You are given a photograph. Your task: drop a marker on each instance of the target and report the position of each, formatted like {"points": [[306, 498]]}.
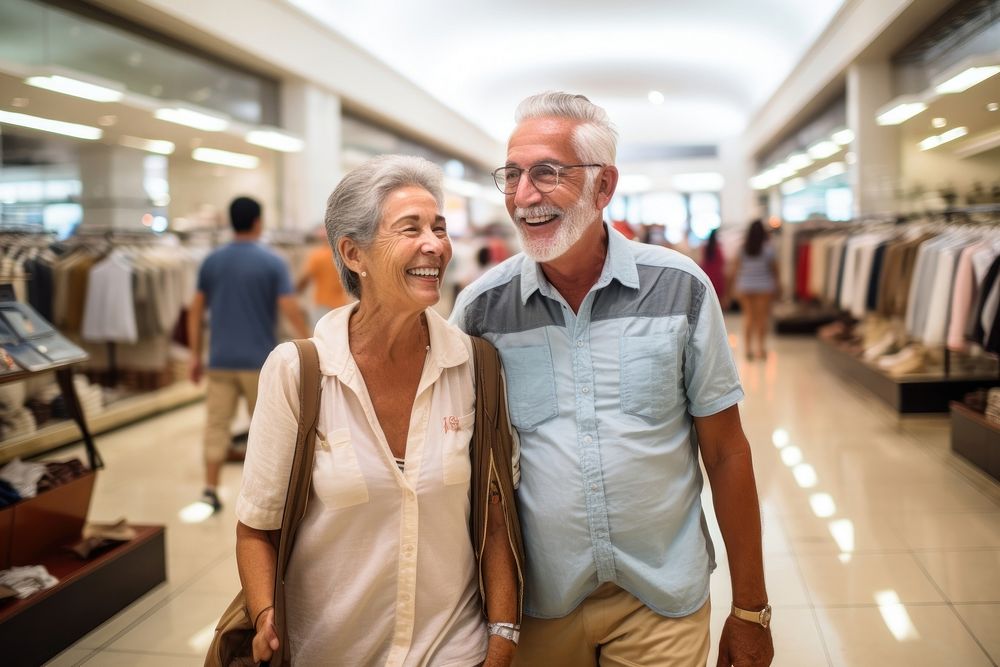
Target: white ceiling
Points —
{"points": [[716, 61]]}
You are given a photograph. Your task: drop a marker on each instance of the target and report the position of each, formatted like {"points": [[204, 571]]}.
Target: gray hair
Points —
{"points": [[594, 139], [354, 209]]}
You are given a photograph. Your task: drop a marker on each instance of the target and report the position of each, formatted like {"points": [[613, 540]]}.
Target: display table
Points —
{"points": [[976, 439], [911, 394], [35, 629]]}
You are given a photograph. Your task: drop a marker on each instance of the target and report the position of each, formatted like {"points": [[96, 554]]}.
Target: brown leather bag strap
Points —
{"points": [[299, 480]]}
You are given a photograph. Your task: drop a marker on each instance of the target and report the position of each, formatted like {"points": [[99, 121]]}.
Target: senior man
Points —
{"points": [[619, 374]]}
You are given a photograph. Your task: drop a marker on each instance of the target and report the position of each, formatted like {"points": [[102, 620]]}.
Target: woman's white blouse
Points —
{"points": [[371, 532]]}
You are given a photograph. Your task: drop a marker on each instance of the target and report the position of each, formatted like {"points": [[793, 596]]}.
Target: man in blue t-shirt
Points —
{"points": [[243, 285]]}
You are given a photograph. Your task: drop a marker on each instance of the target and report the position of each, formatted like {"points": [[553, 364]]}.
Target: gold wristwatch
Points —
{"points": [[762, 617]]}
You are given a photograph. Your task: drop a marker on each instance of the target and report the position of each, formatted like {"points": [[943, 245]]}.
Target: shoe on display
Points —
{"points": [[910, 363], [888, 361], [211, 498], [881, 347]]}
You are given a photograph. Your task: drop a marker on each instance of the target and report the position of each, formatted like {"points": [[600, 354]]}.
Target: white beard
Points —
{"points": [[574, 223]]}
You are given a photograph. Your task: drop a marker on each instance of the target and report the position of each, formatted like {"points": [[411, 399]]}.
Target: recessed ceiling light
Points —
{"points": [[160, 146], [900, 113], [107, 121], [275, 140], [19, 102], [70, 86], [939, 122], [937, 140], [843, 137], [799, 161], [49, 125], [966, 79], [823, 149], [656, 97], [993, 106], [192, 118], [226, 158]]}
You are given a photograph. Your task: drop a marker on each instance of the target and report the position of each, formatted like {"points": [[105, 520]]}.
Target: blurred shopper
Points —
{"points": [[615, 354], [243, 285], [755, 273], [383, 570], [713, 263], [328, 292]]}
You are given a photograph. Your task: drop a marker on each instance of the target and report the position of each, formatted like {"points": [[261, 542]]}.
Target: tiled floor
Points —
{"points": [[882, 548]]}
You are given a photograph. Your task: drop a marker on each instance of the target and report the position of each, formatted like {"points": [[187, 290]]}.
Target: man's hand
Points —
{"points": [[196, 370], [744, 644], [265, 642]]}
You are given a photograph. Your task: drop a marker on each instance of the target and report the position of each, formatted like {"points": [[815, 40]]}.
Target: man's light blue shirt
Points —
{"points": [[603, 401]]}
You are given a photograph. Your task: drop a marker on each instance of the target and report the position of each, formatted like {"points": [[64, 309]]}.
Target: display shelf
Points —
{"points": [[120, 413], [976, 439], [911, 394], [35, 629]]}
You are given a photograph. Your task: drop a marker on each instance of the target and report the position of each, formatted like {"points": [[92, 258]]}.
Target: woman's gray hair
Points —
{"points": [[594, 139], [355, 206]]}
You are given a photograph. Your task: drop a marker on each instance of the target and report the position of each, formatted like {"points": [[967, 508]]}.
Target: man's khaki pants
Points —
{"points": [[612, 627], [222, 396]]}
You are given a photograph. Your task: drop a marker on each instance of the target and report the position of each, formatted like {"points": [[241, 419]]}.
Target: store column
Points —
{"points": [[310, 175], [875, 175], [113, 196]]}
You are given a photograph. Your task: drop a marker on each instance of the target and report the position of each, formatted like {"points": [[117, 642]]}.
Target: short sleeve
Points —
{"points": [[457, 317], [710, 376], [203, 280], [283, 277], [271, 443]]}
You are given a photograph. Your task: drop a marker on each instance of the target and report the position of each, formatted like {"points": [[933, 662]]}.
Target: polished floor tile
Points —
{"points": [[965, 576], [896, 634], [871, 526], [984, 622], [858, 579]]}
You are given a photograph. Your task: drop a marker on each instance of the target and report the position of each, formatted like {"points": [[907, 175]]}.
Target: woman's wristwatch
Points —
{"points": [[511, 631]]}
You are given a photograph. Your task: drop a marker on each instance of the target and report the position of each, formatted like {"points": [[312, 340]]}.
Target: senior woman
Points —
{"points": [[383, 570]]}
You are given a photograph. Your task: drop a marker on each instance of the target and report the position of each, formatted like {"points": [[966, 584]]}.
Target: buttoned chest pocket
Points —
{"points": [[649, 375], [337, 478], [455, 461], [531, 385]]}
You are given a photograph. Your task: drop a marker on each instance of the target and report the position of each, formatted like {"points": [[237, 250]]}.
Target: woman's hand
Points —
{"points": [[500, 652], [265, 642]]}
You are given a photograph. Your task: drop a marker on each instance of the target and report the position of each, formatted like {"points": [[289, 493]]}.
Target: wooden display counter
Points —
{"points": [[976, 439], [37, 628], [911, 394]]}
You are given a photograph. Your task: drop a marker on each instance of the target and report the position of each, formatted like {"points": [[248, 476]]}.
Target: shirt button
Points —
{"points": [[586, 390], [405, 597], [587, 439], [410, 495], [593, 487], [579, 343]]}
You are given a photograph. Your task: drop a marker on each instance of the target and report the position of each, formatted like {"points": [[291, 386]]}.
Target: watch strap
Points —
{"points": [[761, 617]]}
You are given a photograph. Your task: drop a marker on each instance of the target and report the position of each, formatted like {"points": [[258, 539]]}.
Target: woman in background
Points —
{"points": [[755, 273], [713, 263]]}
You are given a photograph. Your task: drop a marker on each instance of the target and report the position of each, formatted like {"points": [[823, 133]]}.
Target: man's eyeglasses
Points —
{"points": [[545, 177]]}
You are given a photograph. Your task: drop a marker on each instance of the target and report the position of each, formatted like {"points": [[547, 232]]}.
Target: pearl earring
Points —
{"points": [[364, 274]]}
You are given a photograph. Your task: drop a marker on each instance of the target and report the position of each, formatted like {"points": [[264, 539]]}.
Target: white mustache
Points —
{"points": [[537, 211]]}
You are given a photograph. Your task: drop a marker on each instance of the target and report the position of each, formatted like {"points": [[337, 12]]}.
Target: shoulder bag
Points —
{"points": [[232, 644]]}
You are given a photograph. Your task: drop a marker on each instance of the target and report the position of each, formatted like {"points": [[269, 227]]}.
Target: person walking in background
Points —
{"points": [[242, 285], [384, 570], [713, 263], [619, 375], [757, 284], [320, 270]]}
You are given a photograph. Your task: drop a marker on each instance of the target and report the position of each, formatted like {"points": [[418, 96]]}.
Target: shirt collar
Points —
{"points": [[448, 347], [619, 264]]}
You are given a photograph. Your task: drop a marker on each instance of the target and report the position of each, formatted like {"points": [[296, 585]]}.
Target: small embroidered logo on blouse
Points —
{"points": [[451, 424]]}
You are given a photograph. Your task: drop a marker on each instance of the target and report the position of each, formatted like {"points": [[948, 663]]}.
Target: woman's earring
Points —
{"points": [[364, 274]]}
